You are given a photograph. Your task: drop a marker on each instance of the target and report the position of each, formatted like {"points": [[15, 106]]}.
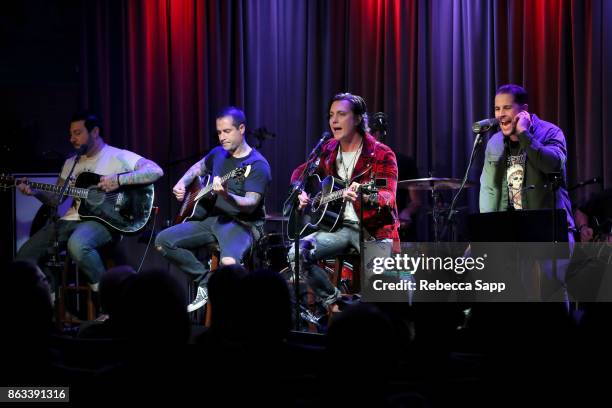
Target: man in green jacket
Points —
{"points": [[516, 175], [519, 158]]}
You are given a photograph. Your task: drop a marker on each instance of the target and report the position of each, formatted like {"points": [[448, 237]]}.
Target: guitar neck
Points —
{"points": [[333, 196], [338, 194], [224, 180], [54, 188]]}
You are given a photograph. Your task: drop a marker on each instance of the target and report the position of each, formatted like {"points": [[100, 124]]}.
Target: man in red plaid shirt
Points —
{"points": [[355, 157]]}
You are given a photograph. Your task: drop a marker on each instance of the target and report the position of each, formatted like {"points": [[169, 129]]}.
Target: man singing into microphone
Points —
{"points": [[355, 157], [117, 167], [515, 175], [519, 158]]}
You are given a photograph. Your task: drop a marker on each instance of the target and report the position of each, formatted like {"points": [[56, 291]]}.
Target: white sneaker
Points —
{"points": [[199, 301]]}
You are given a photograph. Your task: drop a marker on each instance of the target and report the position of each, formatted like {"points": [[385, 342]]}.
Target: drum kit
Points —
{"points": [[435, 185]]}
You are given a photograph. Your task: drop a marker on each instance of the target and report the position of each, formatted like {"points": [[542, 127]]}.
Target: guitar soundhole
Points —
{"points": [[95, 197]]}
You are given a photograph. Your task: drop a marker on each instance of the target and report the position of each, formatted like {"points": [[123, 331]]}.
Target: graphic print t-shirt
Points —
{"points": [[515, 175], [257, 181]]}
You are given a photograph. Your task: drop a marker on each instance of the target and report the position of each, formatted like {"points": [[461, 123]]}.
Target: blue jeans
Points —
{"points": [[322, 245], [80, 238], [178, 242]]}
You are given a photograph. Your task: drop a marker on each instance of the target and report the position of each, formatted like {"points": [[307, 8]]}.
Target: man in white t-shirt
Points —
{"points": [[83, 237]]}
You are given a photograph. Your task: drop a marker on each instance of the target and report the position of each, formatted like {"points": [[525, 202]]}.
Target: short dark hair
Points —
{"points": [[91, 120], [518, 92], [237, 115], [358, 107]]}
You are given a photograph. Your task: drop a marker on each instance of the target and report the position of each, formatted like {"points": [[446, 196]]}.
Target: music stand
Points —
{"points": [[518, 226], [522, 226]]}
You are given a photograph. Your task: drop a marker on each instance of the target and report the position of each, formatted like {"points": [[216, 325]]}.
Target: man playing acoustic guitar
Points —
{"points": [[230, 214], [84, 235], [356, 158]]}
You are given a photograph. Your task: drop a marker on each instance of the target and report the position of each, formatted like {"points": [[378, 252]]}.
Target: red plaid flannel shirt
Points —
{"points": [[377, 161]]}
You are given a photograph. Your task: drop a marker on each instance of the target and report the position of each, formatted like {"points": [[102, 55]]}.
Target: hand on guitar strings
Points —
{"points": [[351, 193], [304, 200], [108, 183], [179, 190]]}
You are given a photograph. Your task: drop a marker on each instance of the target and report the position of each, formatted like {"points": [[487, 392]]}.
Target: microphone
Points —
{"points": [[324, 138], [484, 125], [594, 180], [529, 187], [378, 122], [82, 150]]}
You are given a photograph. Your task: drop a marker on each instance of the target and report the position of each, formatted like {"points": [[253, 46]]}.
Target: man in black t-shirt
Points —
{"points": [[234, 212]]}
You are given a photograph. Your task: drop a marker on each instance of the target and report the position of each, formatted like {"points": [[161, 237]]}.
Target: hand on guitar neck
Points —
{"points": [[126, 210], [23, 186], [218, 187], [350, 194]]}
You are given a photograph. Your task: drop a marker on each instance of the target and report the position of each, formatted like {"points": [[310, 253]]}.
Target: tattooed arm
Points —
{"points": [[145, 172], [246, 204], [194, 171]]}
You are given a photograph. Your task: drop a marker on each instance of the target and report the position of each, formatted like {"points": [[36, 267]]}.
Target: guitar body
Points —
{"points": [[200, 189], [315, 216], [190, 202], [328, 216], [127, 209]]}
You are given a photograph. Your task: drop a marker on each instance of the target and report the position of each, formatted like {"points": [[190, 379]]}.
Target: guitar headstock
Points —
{"points": [[6, 181], [242, 172], [369, 187]]}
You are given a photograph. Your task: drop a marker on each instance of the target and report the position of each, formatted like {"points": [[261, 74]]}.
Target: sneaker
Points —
{"points": [[332, 298], [199, 301], [310, 317]]}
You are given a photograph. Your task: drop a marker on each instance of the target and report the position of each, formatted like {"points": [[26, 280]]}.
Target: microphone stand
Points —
{"points": [[554, 186], [555, 179], [290, 207], [451, 211], [54, 260]]}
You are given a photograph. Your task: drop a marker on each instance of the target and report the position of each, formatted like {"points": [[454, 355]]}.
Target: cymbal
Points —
{"points": [[445, 208], [433, 183], [276, 217]]}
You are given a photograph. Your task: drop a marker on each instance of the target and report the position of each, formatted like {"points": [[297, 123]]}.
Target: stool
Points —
{"points": [[214, 252], [215, 261], [353, 257], [78, 285]]}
